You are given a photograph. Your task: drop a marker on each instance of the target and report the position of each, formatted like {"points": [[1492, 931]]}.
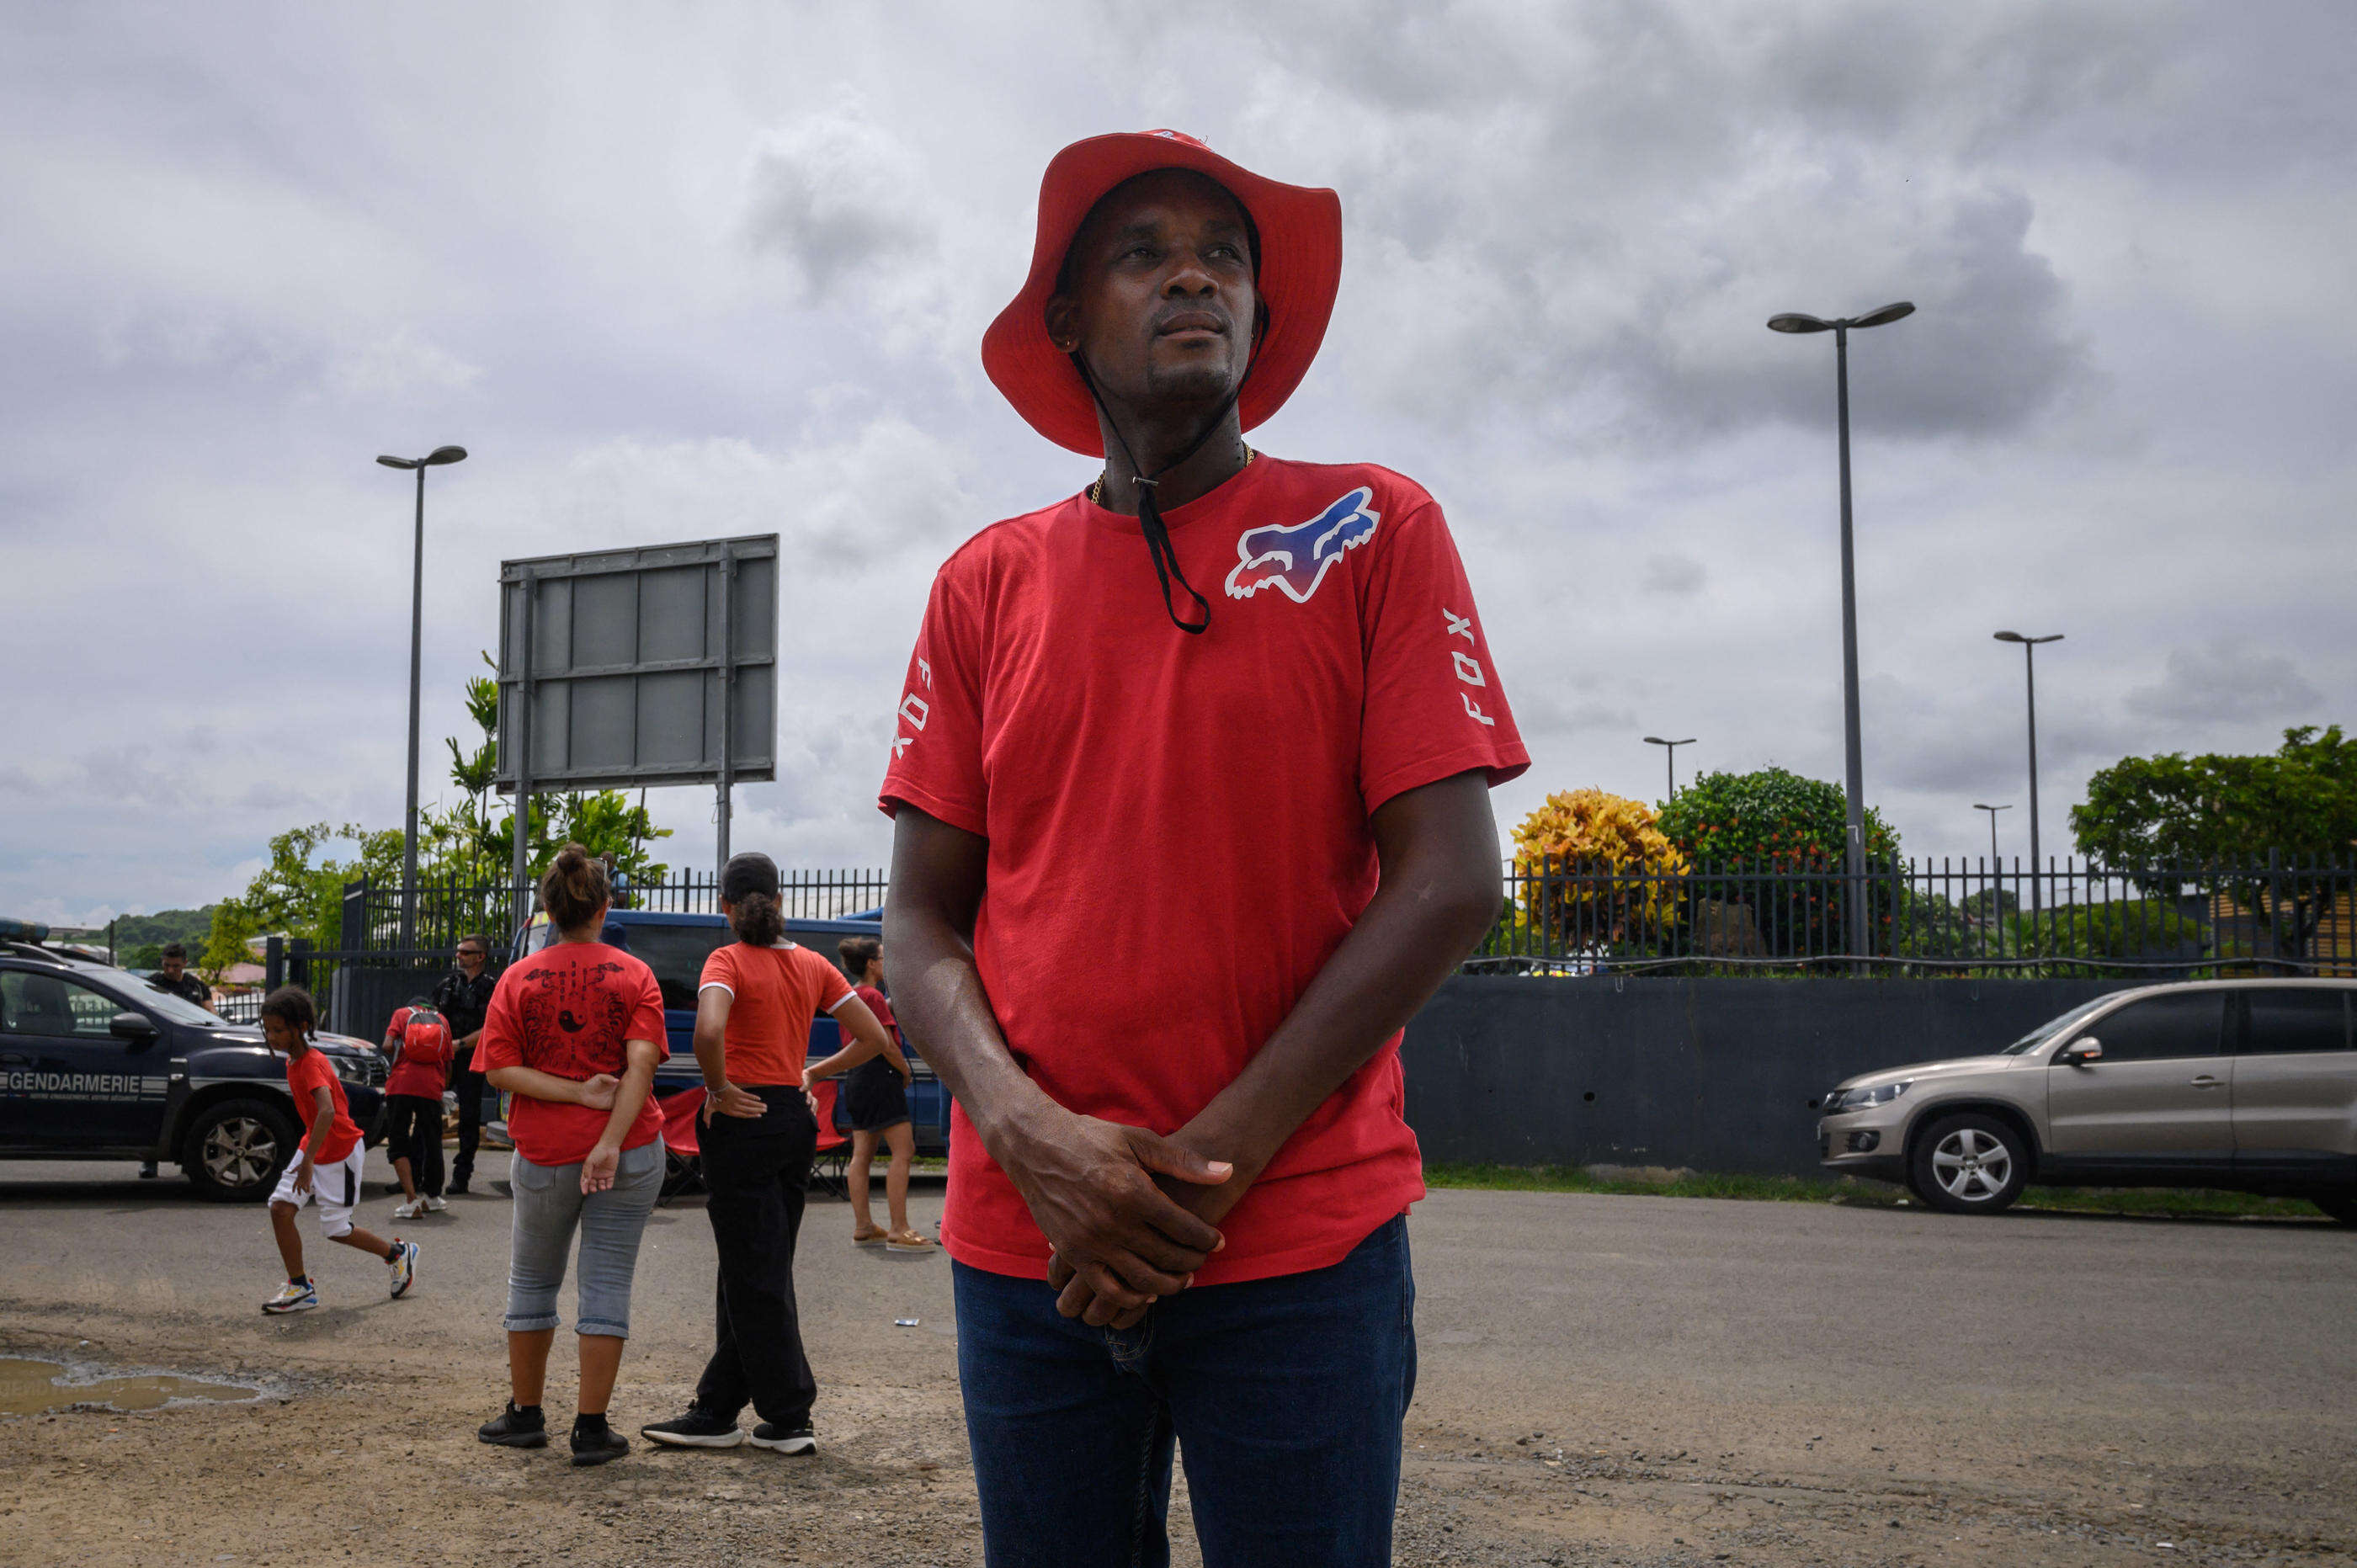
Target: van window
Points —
{"points": [[676, 954], [2290, 1019], [2160, 1028]]}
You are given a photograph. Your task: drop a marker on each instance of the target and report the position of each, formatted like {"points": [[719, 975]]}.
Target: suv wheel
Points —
{"points": [[236, 1149], [2341, 1206], [1969, 1164]]}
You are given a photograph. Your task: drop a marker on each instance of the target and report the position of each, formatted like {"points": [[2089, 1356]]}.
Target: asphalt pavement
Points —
{"points": [[1603, 1379]]}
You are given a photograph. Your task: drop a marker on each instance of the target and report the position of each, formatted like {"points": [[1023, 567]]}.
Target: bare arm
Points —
{"points": [[596, 1092], [323, 1119], [1088, 1183], [721, 1097], [638, 1081], [868, 1040], [1439, 897]]}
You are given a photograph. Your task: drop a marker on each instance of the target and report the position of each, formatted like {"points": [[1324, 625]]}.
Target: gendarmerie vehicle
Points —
{"points": [[96, 1064]]}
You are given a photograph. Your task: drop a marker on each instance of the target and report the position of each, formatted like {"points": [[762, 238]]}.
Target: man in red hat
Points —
{"points": [[1219, 731]]}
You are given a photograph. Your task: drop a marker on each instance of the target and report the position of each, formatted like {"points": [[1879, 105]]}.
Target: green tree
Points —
{"points": [[2147, 816], [234, 926], [1776, 841]]}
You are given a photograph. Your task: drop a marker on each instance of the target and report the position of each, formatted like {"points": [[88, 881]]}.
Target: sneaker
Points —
{"points": [[404, 1267], [595, 1447], [769, 1435], [699, 1428], [515, 1428], [457, 1187], [908, 1241], [410, 1209], [292, 1297], [433, 1205]]}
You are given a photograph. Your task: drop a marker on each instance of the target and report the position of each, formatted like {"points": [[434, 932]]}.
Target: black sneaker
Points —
{"points": [[598, 1444], [785, 1440], [457, 1188], [515, 1428], [699, 1428]]}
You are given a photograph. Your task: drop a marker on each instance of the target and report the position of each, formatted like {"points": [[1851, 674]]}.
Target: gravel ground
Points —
{"points": [[1634, 1381]]}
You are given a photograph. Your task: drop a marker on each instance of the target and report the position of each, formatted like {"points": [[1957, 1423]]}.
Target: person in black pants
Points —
{"points": [[753, 1012], [462, 998]]}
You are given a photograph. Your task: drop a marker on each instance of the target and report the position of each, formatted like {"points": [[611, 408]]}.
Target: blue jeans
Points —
{"points": [[1286, 1396], [549, 1206]]}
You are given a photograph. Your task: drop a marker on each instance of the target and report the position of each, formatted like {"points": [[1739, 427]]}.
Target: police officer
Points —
{"points": [[463, 997], [174, 978]]}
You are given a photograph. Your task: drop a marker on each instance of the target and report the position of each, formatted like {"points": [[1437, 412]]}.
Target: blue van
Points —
{"points": [[675, 946]]}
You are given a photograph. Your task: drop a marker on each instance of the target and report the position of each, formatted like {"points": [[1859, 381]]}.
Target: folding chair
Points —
{"points": [[833, 1147]]}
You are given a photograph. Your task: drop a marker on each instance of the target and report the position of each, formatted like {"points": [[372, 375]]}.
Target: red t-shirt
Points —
{"points": [[881, 1008], [421, 1071], [777, 992], [568, 1010], [309, 1071], [1189, 816]]}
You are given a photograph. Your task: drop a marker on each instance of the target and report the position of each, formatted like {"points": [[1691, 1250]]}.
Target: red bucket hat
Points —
{"points": [[1300, 268]]}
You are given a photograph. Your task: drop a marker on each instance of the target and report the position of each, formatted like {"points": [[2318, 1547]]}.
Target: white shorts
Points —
{"points": [[335, 1189]]}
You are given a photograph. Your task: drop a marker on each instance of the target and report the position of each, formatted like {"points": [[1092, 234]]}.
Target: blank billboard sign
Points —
{"points": [[653, 665]]}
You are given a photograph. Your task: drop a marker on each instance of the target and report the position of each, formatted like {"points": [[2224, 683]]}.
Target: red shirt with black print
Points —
{"points": [[568, 1010], [1191, 816]]}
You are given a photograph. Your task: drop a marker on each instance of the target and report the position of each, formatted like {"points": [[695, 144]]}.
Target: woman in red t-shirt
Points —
{"points": [[753, 1014], [574, 1034]]}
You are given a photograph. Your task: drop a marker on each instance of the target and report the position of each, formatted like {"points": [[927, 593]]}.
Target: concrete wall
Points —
{"points": [[1715, 1075]]}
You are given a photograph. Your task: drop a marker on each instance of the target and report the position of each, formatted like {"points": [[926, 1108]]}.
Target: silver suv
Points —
{"points": [[2248, 1084]]}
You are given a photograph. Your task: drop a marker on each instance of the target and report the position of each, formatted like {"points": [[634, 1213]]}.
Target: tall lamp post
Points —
{"points": [[433, 459], [1992, 811], [1793, 321], [1673, 746], [2030, 668]]}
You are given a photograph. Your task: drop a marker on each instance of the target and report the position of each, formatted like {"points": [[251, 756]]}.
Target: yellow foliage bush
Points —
{"points": [[1588, 832]]}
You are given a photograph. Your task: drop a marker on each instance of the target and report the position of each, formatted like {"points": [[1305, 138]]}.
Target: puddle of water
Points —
{"points": [[35, 1388]]}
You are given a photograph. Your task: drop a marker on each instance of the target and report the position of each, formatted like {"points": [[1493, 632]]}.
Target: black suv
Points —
{"points": [[97, 1064]]}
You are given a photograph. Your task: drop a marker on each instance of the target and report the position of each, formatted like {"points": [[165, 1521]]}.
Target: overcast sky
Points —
{"points": [[717, 269]]}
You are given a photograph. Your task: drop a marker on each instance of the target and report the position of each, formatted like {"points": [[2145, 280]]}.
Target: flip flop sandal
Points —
{"points": [[907, 1241], [870, 1239]]}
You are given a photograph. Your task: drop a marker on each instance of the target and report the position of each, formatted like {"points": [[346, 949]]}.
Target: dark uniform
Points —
{"points": [[189, 988], [464, 1001]]}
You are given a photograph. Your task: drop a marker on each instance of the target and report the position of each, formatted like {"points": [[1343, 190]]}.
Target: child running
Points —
{"points": [[418, 1041], [876, 1093], [326, 1166]]}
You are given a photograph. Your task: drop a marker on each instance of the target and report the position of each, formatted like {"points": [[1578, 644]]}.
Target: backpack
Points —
{"points": [[426, 1038]]}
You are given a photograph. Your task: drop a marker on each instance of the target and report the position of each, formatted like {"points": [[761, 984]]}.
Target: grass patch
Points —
{"points": [[2193, 1201]]}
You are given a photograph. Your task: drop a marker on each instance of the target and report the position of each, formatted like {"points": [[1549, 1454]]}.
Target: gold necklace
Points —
{"points": [[1096, 488]]}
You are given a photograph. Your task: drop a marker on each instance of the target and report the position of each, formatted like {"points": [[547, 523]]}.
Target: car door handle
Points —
{"points": [[14, 1058], [2207, 1082]]}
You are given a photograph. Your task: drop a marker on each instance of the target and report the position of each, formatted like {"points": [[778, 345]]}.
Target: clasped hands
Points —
{"points": [[1130, 1214]]}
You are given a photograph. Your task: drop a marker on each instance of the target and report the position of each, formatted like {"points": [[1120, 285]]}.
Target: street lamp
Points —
{"points": [[1673, 744], [2029, 666], [1992, 811], [1793, 321], [433, 459]]}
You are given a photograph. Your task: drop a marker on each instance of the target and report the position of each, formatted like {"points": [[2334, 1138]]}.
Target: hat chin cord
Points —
{"points": [[1150, 511]]}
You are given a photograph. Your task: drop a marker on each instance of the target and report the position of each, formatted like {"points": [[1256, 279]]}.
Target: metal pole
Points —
{"points": [[727, 698], [520, 722], [1673, 771], [1856, 763], [416, 634], [2036, 894]]}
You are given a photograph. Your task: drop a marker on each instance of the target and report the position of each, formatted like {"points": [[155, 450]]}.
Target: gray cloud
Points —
{"points": [[2226, 679]]}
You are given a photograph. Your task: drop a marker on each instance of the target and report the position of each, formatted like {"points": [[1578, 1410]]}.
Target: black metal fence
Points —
{"points": [[452, 907], [1929, 916]]}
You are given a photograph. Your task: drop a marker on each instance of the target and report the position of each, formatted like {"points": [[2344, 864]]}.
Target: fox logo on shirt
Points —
{"points": [[1294, 558]]}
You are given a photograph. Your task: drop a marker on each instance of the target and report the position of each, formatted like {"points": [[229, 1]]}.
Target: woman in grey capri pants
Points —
{"points": [[574, 1034]]}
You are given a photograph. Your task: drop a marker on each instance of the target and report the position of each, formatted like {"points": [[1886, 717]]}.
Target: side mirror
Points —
{"points": [[2079, 1052], [131, 1027]]}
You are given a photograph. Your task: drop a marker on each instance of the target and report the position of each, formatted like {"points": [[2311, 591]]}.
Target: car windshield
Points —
{"points": [[2047, 1031], [179, 1009]]}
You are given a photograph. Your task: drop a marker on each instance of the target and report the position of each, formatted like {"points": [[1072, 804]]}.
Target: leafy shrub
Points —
{"points": [[1597, 836]]}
